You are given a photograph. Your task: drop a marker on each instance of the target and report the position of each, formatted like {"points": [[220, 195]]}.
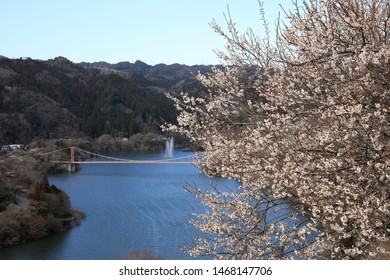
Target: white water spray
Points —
{"points": [[169, 148]]}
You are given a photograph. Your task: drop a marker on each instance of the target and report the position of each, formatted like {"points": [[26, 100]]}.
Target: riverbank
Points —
{"points": [[30, 208]]}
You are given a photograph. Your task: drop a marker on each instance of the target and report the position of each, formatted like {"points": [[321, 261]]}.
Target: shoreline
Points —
{"points": [[26, 198]]}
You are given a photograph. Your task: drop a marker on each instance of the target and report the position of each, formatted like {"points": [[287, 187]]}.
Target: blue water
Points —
{"points": [[129, 207]]}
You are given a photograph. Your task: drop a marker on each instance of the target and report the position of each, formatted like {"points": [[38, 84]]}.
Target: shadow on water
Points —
{"points": [[49, 248]]}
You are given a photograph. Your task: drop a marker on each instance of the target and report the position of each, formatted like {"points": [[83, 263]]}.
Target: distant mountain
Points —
{"points": [[61, 99], [176, 77]]}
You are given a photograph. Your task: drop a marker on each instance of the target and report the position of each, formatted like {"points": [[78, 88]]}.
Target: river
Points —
{"points": [[129, 207]]}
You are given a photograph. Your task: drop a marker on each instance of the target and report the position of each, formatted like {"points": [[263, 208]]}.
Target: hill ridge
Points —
{"points": [[59, 98]]}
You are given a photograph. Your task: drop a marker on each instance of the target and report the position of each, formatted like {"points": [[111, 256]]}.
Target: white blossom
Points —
{"points": [[303, 125]]}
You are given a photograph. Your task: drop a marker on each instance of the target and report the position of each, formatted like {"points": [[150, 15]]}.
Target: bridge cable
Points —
{"points": [[130, 160]]}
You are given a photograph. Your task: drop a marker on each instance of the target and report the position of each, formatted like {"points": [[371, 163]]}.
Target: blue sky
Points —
{"points": [[154, 31]]}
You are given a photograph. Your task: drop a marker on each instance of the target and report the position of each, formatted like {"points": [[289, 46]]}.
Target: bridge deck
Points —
{"points": [[114, 160], [132, 162]]}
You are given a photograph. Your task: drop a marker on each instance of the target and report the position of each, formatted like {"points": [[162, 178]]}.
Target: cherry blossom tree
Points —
{"points": [[302, 122]]}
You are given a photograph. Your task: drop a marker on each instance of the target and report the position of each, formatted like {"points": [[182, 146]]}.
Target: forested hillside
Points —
{"points": [[60, 99]]}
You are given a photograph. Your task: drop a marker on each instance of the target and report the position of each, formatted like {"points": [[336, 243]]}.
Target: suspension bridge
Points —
{"points": [[103, 159]]}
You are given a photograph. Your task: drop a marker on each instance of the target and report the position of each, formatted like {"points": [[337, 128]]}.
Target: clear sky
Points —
{"points": [[154, 31]]}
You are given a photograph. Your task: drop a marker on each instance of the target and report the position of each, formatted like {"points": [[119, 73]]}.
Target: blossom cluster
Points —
{"points": [[303, 125]]}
